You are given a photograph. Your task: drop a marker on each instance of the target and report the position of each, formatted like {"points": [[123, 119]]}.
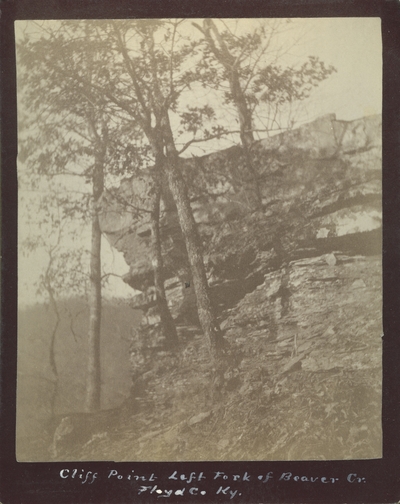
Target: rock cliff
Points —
{"points": [[321, 197], [296, 282]]}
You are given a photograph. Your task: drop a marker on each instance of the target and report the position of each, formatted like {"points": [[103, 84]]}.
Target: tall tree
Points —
{"points": [[145, 202], [246, 61], [156, 81], [65, 137], [167, 322], [217, 46], [93, 382]]}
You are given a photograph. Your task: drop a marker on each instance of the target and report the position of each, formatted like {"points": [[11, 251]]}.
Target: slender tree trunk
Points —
{"points": [[161, 137], [52, 352], [254, 176], [227, 60], [93, 381], [188, 225], [244, 113], [246, 128], [167, 322], [222, 54]]}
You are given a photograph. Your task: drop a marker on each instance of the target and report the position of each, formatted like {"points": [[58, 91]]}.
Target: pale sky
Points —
{"points": [[352, 45]]}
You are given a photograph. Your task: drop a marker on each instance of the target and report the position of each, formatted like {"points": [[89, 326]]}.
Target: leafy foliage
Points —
{"points": [[243, 65]]}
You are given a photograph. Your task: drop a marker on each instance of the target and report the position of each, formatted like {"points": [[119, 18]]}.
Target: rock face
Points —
{"points": [[321, 201], [296, 283]]}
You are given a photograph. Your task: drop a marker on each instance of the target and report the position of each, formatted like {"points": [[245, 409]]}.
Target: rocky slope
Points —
{"points": [[296, 281]]}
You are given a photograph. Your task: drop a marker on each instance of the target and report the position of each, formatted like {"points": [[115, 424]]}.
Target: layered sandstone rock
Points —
{"points": [[321, 194]]}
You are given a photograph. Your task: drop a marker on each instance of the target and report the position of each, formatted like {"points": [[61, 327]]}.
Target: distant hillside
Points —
{"points": [[36, 381]]}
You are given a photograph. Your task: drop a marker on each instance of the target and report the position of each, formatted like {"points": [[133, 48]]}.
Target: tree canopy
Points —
{"points": [[103, 99]]}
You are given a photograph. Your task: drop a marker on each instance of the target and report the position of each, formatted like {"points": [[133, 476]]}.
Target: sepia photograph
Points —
{"points": [[199, 239]]}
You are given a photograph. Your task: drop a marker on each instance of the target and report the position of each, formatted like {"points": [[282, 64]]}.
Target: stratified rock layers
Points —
{"points": [[321, 203]]}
